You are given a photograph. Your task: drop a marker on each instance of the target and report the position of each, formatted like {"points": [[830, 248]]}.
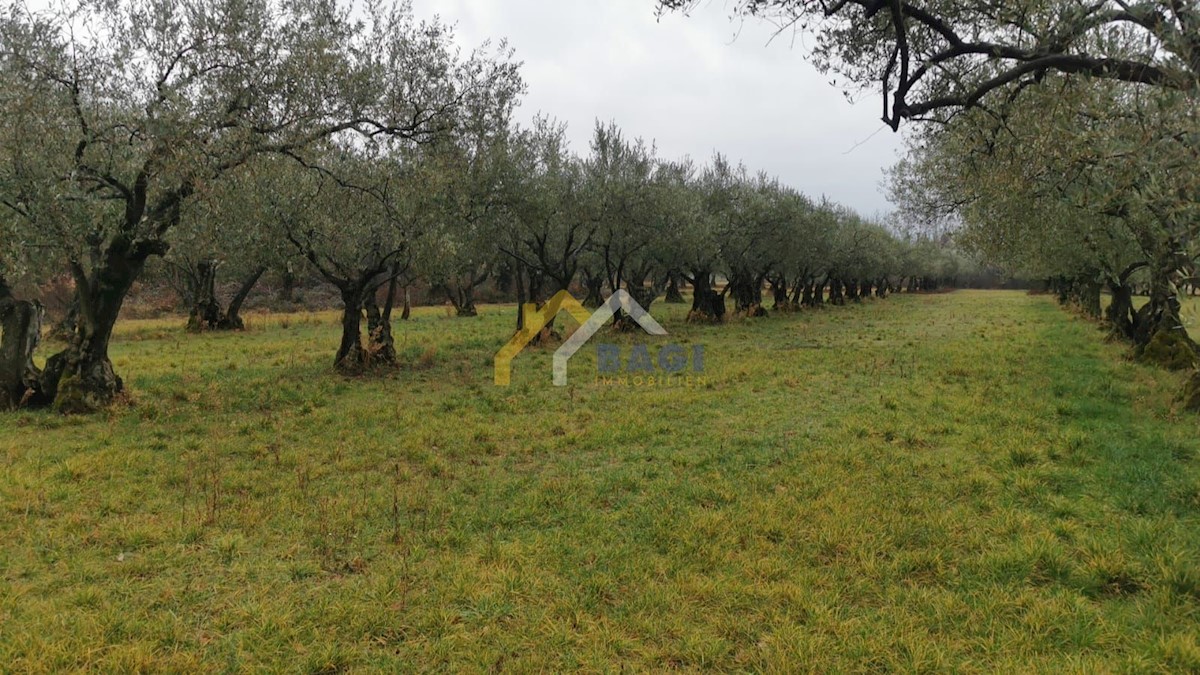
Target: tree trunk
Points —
{"points": [[797, 293], [642, 294], [522, 298], [406, 311], [779, 289], [231, 319], [460, 291], [465, 307], [835, 292], [1089, 297], [81, 379], [20, 331], [674, 297], [1161, 336], [390, 300], [594, 283], [529, 288], [807, 294], [287, 287], [206, 311], [707, 305], [381, 348], [747, 293], [351, 357], [1120, 314]]}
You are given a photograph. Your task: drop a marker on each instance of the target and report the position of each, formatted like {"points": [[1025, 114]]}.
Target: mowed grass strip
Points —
{"points": [[971, 481]]}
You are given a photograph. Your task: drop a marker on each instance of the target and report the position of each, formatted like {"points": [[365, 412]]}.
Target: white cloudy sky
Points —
{"points": [[694, 85]]}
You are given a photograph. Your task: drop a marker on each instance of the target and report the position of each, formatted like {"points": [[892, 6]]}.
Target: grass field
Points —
{"points": [[972, 481]]}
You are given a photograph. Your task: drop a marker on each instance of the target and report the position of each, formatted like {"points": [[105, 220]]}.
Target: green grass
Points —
{"points": [[971, 481]]}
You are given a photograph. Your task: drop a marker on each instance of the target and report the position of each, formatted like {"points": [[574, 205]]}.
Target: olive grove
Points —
{"points": [[247, 138]]}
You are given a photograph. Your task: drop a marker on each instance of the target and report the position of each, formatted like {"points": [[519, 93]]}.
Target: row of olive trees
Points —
{"points": [[1064, 141], [623, 218], [120, 118], [1085, 183], [515, 205]]}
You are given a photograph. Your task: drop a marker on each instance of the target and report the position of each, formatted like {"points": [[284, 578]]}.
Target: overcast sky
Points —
{"points": [[694, 85]]}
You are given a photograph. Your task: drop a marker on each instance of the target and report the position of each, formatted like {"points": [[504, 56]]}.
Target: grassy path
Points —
{"points": [[971, 481]]}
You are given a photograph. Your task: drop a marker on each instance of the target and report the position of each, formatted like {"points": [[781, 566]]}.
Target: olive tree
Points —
{"points": [[548, 229], [358, 221], [225, 231], [628, 195], [461, 255]]}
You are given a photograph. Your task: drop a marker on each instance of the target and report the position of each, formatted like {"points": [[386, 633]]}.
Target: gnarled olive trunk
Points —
{"points": [[796, 296], [464, 304], [530, 283], [1120, 313], [529, 288], [206, 311], [81, 379], [381, 347], [460, 291], [746, 290], [835, 292], [594, 283], [287, 286], [351, 357], [1089, 297], [806, 294], [20, 330], [707, 304], [231, 319], [673, 297], [467, 307], [779, 291], [1160, 334], [643, 294]]}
